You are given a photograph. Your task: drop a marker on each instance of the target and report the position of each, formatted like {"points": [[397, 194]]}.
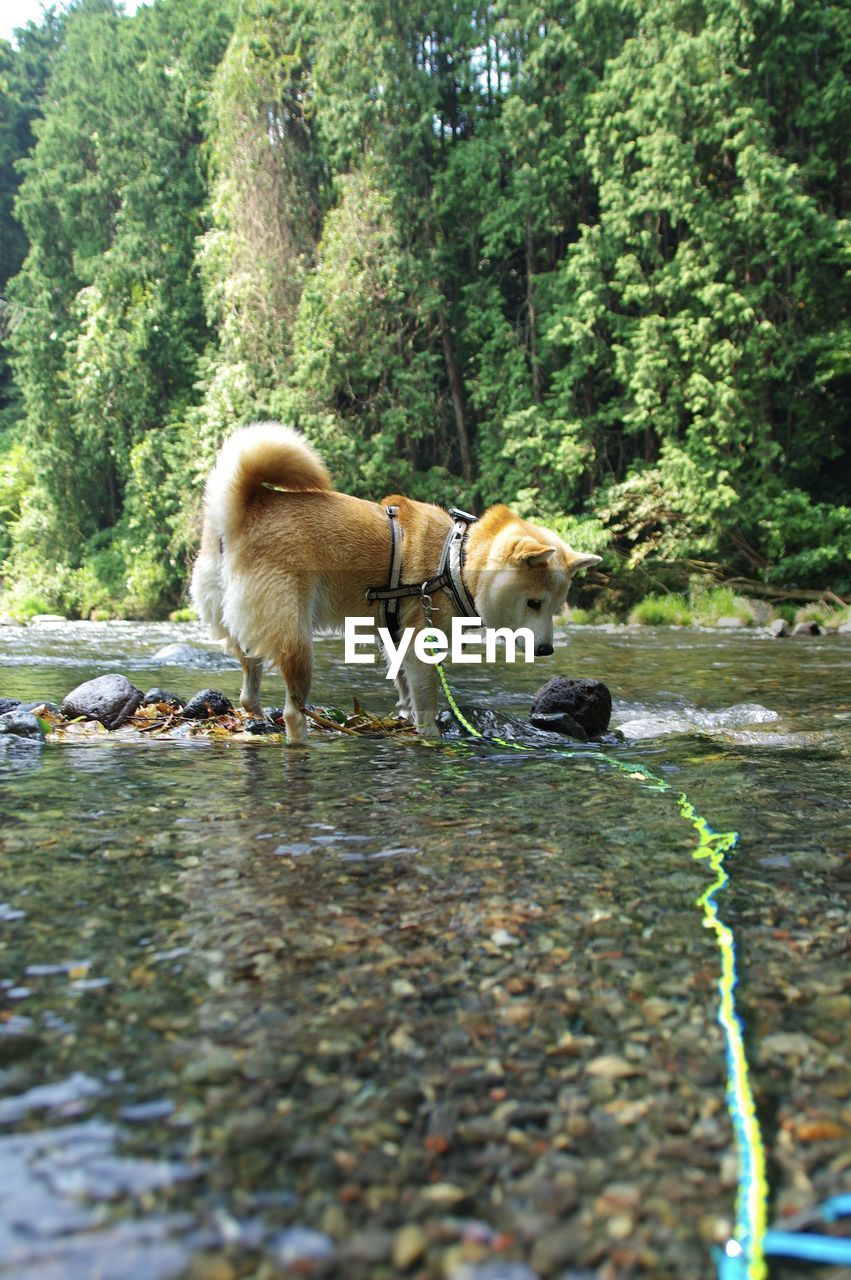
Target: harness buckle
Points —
{"points": [[427, 604]]}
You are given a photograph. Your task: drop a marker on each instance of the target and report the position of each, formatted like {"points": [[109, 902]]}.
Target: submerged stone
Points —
{"points": [[111, 699], [21, 724], [186, 655]]}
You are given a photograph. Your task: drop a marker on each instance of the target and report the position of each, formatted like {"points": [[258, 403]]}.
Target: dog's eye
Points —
{"points": [[535, 604]]}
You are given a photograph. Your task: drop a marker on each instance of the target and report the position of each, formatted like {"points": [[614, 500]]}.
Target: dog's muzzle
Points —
{"points": [[543, 650]]}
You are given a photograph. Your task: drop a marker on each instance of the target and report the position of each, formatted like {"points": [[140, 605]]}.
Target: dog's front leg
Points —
{"points": [[252, 674], [404, 708], [421, 681]]}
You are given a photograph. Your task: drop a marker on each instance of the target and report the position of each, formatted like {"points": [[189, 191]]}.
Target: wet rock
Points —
{"points": [[8, 704], [155, 697], [111, 699], [207, 703], [588, 702], [779, 628], [261, 727], [21, 724], [559, 722], [807, 629], [47, 619], [186, 655]]}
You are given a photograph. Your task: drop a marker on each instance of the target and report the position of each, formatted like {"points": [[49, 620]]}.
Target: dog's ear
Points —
{"points": [[531, 551], [577, 560]]}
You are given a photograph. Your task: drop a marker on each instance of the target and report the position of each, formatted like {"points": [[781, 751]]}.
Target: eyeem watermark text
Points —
{"points": [[431, 644]]}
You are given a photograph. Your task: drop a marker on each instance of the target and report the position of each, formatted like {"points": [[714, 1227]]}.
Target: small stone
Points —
{"points": [[162, 697], [789, 1044], [561, 1247], [210, 1068], [296, 1246], [261, 727], [207, 704], [371, 1246], [779, 628], [610, 1067], [210, 1266], [443, 1195], [409, 1245]]}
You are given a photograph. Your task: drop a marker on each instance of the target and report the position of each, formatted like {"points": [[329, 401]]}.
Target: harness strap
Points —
{"points": [[449, 576], [388, 613]]}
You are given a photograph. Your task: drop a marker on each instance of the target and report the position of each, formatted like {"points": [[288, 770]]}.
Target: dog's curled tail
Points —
{"points": [[265, 453]]}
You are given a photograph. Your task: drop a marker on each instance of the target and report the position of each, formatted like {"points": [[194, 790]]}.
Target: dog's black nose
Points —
{"points": [[543, 650]]}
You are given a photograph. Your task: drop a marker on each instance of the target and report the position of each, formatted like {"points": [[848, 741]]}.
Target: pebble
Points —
{"points": [[409, 1245], [295, 1246], [561, 1247]]}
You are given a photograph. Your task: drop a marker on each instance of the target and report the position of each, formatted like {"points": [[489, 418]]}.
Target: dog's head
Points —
{"points": [[521, 574]]}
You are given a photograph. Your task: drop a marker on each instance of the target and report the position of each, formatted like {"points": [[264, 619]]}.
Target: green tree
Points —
{"points": [[106, 352]]}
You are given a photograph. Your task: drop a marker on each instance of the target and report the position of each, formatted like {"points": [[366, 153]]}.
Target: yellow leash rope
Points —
{"points": [[743, 1257]]}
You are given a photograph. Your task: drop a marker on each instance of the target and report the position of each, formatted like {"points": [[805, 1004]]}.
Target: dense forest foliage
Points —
{"points": [[591, 259]]}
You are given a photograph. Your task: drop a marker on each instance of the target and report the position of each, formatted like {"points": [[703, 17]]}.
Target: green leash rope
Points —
{"points": [[743, 1257]]}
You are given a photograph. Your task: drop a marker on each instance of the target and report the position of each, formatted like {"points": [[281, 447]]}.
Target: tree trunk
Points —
{"points": [[456, 389]]}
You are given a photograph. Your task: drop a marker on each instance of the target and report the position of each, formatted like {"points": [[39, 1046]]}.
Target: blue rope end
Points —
{"points": [[731, 1262]]}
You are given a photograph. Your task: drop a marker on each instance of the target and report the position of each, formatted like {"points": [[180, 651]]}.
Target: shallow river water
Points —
{"points": [[380, 1008]]}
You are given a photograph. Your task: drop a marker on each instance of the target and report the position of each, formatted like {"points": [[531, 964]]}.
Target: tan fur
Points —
{"points": [[275, 564]]}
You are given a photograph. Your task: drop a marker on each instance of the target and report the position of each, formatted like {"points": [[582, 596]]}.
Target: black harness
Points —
{"points": [[449, 576]]}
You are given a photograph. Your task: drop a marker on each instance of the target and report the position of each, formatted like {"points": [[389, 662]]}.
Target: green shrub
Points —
{"points": [[670, 610], [721, 602]]}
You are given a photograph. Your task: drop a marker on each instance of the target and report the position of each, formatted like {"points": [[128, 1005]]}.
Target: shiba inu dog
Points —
{"points": [[283, 554]]}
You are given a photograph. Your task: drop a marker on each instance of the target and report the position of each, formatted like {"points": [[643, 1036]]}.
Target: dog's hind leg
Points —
{"points": [[296, 663], [295, 659]]}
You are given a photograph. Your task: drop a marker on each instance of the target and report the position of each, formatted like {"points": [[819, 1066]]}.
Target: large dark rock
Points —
{"points": [[588, 703], [207, 703], [110, 699], [8, 704]]}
